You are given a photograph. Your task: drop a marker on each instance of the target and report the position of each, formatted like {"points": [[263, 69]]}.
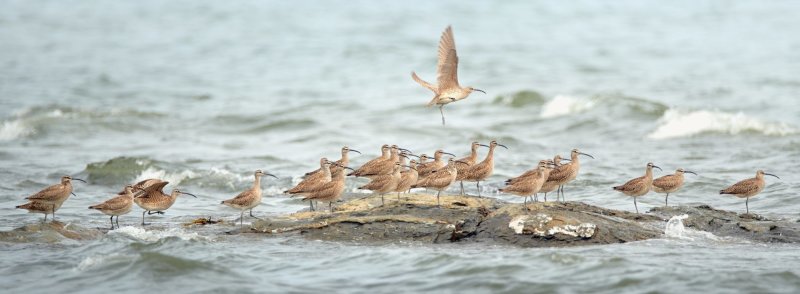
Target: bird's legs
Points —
{"points": [[462, 188], [478, 184], [251, 214], [634, 205], [241, 220], [747, 206], [442, 112], [112, 222], [118, 222], [666, 200], [438, 204], [143, 217]]}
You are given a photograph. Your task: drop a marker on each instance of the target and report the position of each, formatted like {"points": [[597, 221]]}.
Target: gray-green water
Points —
{"points": [[203, 93]]}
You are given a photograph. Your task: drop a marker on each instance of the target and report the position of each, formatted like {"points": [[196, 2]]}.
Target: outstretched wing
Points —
{"points": [[447, 67], [423, 83]]}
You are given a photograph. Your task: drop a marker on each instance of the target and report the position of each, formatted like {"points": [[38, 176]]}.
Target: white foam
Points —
{"points": [[154, 173], [153, 236], [676, 230], [565, 105], [95, 260], [680, 123], [15, 129]]}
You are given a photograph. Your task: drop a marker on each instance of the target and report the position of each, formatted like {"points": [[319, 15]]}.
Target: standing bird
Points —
{"points": [[551, 186], [566, 173], [335, 169], [249, 198], [441, 179], [639, 186], [470, 161], [119, 205], [529, 185], [426, 168], [313, 180], [670, 183], [748, 188], [375, 166], [383, 184], [155, 200], [483, 170], [330, 191], [408, 178], [50, 199], [447, 89]]}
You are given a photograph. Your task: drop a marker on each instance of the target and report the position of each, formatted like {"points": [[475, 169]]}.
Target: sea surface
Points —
{"points": [[202, 93]]}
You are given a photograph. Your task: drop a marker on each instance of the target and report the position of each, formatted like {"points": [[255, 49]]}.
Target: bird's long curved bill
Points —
{"points": [[271, 175], [73, 194], [658, 168], [342, 166], [501, 145], [448, 153], [592, 157], [690, 172], [462, 162], [77, 179], [190, 194], [353, 150], [771, 175], [479, 90]]}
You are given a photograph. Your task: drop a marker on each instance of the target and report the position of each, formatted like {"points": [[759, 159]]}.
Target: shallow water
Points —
{"points": [[203, 93]]}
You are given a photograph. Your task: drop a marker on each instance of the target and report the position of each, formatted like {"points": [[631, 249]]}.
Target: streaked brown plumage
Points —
{"points": [[670, 183], [38, 207], [468, 161], [335, 169], [447, 89], [156, 201], [330, 191], [482, 170], [377, 166], [425, 168], [550, 186], [639, 186], [383, 184], [556, 162], [249, 198], [439, 180], [529, 185], [748, 188], [53, 196], [119, 205], [314, 179], [408, 178], [566, 173]]}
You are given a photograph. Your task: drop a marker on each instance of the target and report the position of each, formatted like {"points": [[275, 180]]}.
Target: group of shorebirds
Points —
{"points": [[394, 171]]}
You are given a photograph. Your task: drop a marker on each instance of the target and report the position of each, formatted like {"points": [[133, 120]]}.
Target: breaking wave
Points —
{"points": [[680, 123], [565, 105], [15, 129], [155, 235]]}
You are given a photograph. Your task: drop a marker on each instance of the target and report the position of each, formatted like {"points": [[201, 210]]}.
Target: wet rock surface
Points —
{"points": [[49, 232], [467, 219], [486, 220], [730, 224]]}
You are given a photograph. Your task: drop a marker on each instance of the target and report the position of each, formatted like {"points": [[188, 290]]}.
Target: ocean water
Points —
{"points": [[202, 93]]}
